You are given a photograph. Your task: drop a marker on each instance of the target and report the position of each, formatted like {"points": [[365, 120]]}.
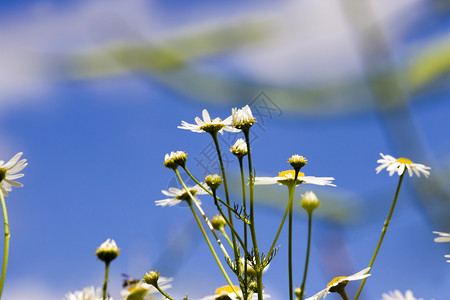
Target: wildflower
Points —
{"points": [[178, 195], [107, 251], [401, 164], [443, 237], [242, 118], [151, 278], [88, 293], [226, 293], [309, 201], [297, 162], [218, 222], [208, 125], [239, 148], [287, 178], [397, 295], [8, 172], [339, 283], [213, 181], [175, 160], [140, 290]]}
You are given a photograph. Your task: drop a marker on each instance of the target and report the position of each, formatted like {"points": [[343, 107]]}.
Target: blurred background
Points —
{"points": [[93, 91]]}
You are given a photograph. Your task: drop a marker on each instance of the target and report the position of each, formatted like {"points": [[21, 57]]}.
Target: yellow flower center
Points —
{"points": [[403, 160], [335, 280], [2, 174], [226, 289], [290, 174]]}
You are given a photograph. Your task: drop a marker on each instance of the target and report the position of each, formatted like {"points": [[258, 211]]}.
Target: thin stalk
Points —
{"points": [[105, 283], [252, 216], [308, 247], [244, 205], [343, 294], [224, 233], [6, 248], [383, 232], [291, 284], [227, 196], [162, 292], [205, 235]]}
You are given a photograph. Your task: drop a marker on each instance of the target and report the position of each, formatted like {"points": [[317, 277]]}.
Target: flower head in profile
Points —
{"points": [[8, 172], [309, 202], [239, 148], [107, 251], [141, 290], [242, 118], [397, 295], [175, 160], [297, 161], [442, 238], [177, 195], [88, 293], [208, 125], [226, 293], [339, 283], [288, 177], [399, 165]]}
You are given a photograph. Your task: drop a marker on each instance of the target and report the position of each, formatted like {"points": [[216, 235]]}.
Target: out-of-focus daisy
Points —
{"points": [[208, 125], [340, 282], [442, 238], [287, 177], [175, 159], [177, 195], [401, 164], [141, 290], [397, 295], [242, 118], [88, 293], [8, 172], [226, 293]]}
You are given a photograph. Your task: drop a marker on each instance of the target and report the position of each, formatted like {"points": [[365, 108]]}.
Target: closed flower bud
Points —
{"points": [[218, 222], [107, 251], [309, 202], [213, 181], [151, 278], [297, 162], [239, 148]]}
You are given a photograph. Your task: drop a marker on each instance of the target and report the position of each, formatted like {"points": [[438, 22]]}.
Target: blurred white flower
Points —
{"points": [[401, 164], [442, 238], [141, 290], [397, 295], [208, 125], [178, 195], [287, 177], [8, 172], [88, 293], [226, 293], [338, 280]]}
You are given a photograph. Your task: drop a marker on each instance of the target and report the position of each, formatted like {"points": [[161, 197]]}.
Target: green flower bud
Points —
{"points": [[309, 202], [151, 278], [218, 222], [213, 181], [107, 251]]}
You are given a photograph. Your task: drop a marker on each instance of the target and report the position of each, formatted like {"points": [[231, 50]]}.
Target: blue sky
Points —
{"points": [[95, 144]]}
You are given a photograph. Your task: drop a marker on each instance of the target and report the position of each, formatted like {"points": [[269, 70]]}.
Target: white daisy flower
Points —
{"points": [[9, 171], [175, 159], [142, 290], [88, 293], [343, 280], [397, 295], [401, 164], [208, 125], [442, 238], [226, 293], [242, 117], [287, 177], [107, 251], [178, 195], [239, 148]]}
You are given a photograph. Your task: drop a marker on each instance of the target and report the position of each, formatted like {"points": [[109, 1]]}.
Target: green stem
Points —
{"points": [[6, 249], [291, 285], [244, 205], [224, 233], [342, 293], [308, 247], [383, 232], [205, 235], [227, 197], [105, 283], [258, 268], [162, 292]]}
